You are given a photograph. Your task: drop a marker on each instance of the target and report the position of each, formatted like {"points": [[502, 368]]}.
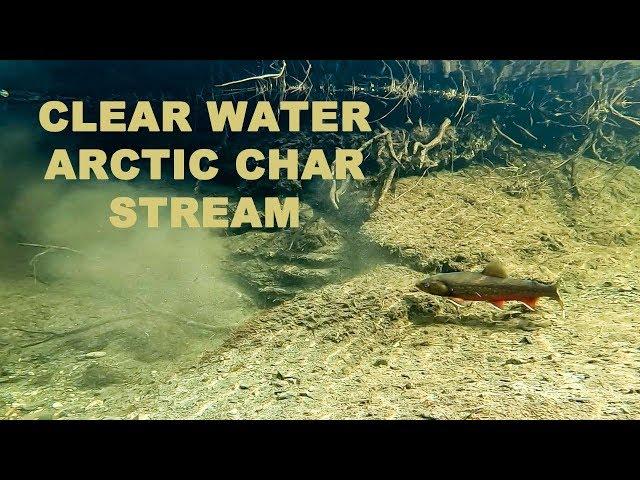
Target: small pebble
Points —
{"points": [[57, 405], [513, 361], [95, 354], [426, 416], [284, 395], [380, 362], [25, 407], [94, 403]]}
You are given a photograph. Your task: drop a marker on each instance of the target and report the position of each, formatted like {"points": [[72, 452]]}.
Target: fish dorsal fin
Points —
{"points": [[495, 269]]}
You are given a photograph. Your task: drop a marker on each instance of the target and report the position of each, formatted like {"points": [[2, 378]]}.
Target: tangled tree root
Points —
{"points": [[437, 140]]}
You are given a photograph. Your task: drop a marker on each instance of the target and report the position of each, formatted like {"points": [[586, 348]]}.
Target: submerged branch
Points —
{"points": [[47, 248], [257, 77], [437, 140], [504, 135]]}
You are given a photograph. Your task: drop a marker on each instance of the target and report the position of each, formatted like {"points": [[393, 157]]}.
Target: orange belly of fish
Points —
{"points": [[499, 300]]}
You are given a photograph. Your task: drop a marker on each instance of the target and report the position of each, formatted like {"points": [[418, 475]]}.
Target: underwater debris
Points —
{"points": [[437, 140]]}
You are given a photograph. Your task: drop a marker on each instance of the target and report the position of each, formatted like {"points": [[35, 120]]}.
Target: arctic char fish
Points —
{"points": [[491, 285]]}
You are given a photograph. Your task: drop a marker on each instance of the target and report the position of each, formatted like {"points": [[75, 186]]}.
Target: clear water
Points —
{"points": [[97, 322]]}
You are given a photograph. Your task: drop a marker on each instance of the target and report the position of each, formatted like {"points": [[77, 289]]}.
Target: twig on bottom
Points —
{"points": [[48, 248]]}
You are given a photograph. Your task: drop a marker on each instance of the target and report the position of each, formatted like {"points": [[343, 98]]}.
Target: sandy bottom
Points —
{"points": [[374, 348], [74, 348], [371, 346]]}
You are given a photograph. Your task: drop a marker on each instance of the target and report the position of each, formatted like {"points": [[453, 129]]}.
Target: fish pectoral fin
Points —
{"points": [[530, 303], [499, 304], [458, 301]]}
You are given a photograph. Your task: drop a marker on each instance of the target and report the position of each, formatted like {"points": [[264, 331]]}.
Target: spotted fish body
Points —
{"points": [[492, 285]]}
